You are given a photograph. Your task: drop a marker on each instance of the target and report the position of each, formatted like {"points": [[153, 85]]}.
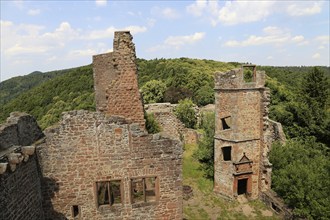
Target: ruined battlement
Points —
{"points": [[115, 80], [246, 77]]}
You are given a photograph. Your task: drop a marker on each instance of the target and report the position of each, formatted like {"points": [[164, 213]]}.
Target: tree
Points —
{"points": [[315, 94], [186, 113], [204, 96], [153, 91], [315, 88], [301, 176], [205, 150], [175, 94]]}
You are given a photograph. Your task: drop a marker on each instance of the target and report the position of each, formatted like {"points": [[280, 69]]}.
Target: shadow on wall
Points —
{"points": [[50, 187]]}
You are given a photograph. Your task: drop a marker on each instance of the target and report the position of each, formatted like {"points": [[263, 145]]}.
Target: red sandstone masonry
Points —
{"points": [[247, 105], [109, 148], [115, 80]]}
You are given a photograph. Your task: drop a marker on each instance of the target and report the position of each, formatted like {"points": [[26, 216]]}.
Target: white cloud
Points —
{"points": [[299, 40], [178, 41], [269, 58], [304, 8], [34, 12], [82, 53], [170, 13], [25, 39], [233, 12], [316, 56], [238, 12], [324, 39], [244, 11], [167, 13], [197, 8], [108, 33], [273, 35], [101, 3]]}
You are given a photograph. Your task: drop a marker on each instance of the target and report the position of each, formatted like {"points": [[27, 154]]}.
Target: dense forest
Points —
{"points": [[300, 100]]}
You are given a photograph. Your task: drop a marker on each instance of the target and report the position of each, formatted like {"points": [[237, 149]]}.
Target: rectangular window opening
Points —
{"points": [[226, 152], [143, 189], [242, 186], [108, 192], [75, 211], [226, 123], [249, 72]]}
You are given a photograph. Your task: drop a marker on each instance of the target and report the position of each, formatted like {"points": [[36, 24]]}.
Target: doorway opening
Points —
{"points": [[242, 186]]}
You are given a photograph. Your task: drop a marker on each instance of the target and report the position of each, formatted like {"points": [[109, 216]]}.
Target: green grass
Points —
{"points": [[207, 205]]}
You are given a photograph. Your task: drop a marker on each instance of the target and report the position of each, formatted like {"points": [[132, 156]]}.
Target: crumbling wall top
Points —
{"points": [[19, 129], [115, 80], [246, 77]]}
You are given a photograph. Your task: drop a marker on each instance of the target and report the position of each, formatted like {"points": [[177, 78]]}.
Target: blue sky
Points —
{"points": [[51, 35]]}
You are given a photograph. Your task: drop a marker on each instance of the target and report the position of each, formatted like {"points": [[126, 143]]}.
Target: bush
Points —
{"points": [[301, 177], [153, 91], [152, 125], [186, 113], [205, 151]]}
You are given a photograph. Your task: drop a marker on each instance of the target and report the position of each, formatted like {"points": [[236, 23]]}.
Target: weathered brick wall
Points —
{"points": [[115, 80], [88, 147], [170, 125], [243, 104]]}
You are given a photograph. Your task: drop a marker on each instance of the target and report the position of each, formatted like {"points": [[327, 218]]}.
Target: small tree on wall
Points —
{"points": [[186, 113]]}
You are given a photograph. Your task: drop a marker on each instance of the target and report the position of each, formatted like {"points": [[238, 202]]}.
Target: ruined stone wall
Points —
{"points": [[19, 129], [115, 80], [240, 116], [170, 125], [89, 147], [20, 192], [20, 188]]}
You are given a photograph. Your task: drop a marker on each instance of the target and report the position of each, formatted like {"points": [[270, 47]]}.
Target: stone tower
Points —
{"points": [[115, 80], [241, 163]]}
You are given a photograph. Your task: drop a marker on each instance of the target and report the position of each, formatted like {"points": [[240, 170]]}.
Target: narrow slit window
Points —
{"points": [[143, 189], [226, 152], [75, 211], [108, 192], [226, 123]]}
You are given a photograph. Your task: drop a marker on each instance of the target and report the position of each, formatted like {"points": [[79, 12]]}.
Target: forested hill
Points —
{"points": [[11, 88], [299, 100], [46, 95]]}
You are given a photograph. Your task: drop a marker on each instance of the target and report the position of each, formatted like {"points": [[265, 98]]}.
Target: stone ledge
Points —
{"points": [[14, 156]]}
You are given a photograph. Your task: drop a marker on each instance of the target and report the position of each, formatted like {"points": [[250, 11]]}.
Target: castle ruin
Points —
{"points": [[93, 165], [243, 133], [104, 165]]}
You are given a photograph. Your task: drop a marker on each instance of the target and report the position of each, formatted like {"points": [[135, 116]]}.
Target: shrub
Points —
{"points": [[152, 125], [186, 113]]}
